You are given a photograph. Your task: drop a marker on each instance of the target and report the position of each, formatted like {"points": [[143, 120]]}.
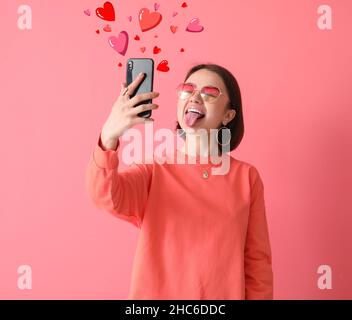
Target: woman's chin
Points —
{"points": [[197, 130]]}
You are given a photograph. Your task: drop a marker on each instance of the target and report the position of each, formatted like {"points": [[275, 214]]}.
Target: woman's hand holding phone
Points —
{"points": [[124, 115]]}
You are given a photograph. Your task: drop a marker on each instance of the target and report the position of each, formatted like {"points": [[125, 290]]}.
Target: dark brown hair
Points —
{"points": [[236, 125]]}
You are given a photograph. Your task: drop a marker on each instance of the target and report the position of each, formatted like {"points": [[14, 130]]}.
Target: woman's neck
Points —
{"points": [[200, 145]]}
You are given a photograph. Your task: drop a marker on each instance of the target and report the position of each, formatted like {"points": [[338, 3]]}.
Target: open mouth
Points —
{"points": [[192, 115], [200, 113]]}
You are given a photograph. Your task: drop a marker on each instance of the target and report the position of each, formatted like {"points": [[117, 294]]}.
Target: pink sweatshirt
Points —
{"points": [[200, 238]]}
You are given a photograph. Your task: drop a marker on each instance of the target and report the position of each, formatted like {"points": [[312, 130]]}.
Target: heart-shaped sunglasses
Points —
{"points": [[208, 93]]}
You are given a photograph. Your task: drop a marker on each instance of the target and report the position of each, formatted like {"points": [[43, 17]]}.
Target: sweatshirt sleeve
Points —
{"points": [[123, 194], [258, 259]]}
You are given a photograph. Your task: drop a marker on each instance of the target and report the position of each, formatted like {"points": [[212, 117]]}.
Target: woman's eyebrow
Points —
{"points": [[207, 85], [213, 87]]}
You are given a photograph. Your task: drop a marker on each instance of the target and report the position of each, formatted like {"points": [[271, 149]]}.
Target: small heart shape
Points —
{"points": [[184, 5], [173, 29], [174, 14], [120, 64], [107, 28], [97, 31], [119, 43], [142, 49], [156, 50], [163, 66], [87, 12], [107, 12], [148, 20], [194, 26], [182, 50], [156, 36], [129, 18], [136, 38], [156, 6]]}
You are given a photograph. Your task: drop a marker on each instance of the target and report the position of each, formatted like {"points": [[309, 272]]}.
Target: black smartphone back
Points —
{"points": [[133, 68]]}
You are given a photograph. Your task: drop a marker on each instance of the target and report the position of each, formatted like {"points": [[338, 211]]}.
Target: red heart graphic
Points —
{"points": [[97, 31], [184, 5], [142, 49], [120, 64], [148, 20], [163, 66], [156, 50], [106, 13], [173, 29], [182, 50], [136, 38]]}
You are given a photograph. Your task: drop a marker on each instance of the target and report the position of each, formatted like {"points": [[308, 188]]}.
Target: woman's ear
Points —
{"points": [[230, 114]]}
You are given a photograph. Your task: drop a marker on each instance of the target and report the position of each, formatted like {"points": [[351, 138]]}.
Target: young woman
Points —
{"points": [[202, 236]]}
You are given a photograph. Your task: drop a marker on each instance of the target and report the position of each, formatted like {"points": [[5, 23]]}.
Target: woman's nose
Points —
{"points": [[196, 97]]}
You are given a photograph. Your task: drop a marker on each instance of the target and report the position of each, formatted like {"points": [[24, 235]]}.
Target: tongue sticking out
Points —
{"points": [[191, 118]]}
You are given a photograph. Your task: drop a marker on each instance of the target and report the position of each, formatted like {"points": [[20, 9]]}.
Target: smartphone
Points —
{"points": [[133, 67]]}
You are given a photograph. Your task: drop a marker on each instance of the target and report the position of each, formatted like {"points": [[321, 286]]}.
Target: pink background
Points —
{"points": [[59, 80]]}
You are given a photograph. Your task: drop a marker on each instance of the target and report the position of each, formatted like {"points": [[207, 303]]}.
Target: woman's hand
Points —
{"points": [[123, 114]]}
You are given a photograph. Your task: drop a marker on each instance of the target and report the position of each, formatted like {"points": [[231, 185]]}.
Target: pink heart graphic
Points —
{"points": [[173, 29], [107, 28], [174, 14], [156, 6], [87, 12], [194, 26], [129, 18], [148, 20], [119, 43]]}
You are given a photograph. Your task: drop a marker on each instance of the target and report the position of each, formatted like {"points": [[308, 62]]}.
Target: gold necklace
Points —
{"points": [[205, 170]]}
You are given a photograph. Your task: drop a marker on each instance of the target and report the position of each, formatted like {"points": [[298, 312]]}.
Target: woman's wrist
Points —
{"points": [[108, 144]]}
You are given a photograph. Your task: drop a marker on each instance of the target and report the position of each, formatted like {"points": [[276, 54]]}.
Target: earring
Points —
{"points": [[217, 135]]}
